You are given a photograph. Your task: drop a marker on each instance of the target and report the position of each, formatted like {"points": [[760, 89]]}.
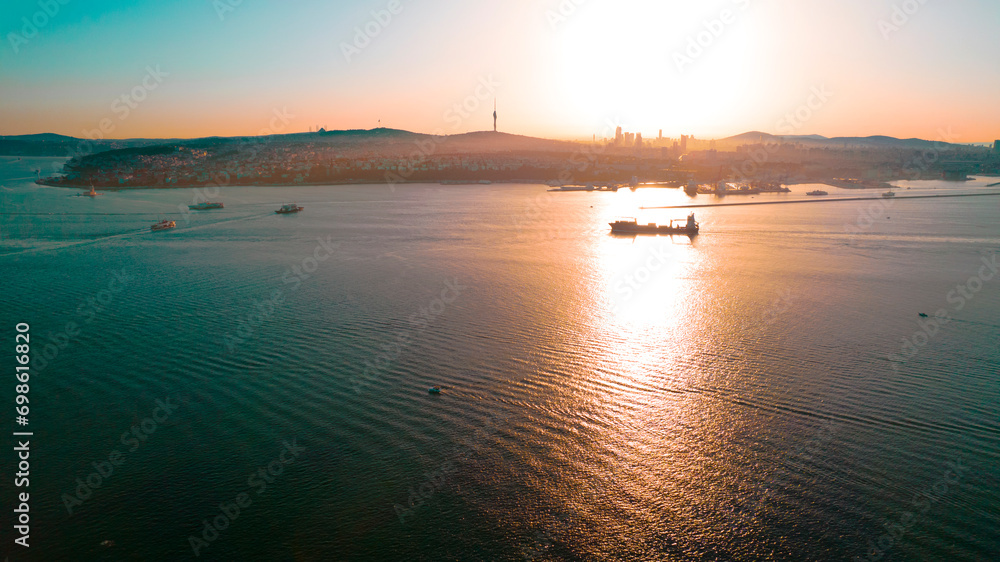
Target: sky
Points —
{"points": [[556, 68]]}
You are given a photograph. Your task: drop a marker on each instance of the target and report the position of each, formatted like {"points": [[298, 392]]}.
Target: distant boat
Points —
{"points": [[205, 205], [817, 192], [434, 390], [631, 226], [888, 194], [588, 187], [287, 209], [163, 225], [92, 193]]}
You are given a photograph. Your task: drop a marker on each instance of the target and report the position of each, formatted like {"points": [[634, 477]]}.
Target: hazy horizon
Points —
{"points": [[557, 139], [558, 69]]}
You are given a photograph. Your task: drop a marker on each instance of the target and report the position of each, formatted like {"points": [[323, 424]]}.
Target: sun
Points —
{"points": [[602, 74]]}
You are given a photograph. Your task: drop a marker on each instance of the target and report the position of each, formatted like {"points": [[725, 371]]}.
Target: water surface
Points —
{"points": [[728, 397]]}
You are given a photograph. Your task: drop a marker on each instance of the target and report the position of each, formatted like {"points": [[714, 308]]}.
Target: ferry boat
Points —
{"points": [[631, 226], [205, 205], [287, 209], [817, 192], [163, 225]]}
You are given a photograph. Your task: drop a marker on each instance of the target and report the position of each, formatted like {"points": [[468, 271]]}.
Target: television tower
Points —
{"points": [[494, 115]]}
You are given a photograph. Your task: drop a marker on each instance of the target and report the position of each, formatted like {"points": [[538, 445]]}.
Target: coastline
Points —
{"points": [[293, 184], [834, 182]]}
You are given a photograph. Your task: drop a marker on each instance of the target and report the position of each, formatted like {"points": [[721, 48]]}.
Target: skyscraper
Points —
{"points": [[618, 135], [996, 147], [494, 115]]}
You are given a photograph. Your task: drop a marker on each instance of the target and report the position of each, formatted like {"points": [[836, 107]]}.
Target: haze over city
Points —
{"points": [[559, 69]]}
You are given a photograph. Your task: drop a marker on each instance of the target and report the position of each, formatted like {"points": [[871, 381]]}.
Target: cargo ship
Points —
{"points": [[631, 226], [205, 205]]}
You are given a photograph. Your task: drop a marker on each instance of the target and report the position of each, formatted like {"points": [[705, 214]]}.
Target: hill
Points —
{"points": [[819, 141]]}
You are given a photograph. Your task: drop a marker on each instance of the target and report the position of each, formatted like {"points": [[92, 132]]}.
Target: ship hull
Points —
{"points": [[163, 226], [646, 229]]}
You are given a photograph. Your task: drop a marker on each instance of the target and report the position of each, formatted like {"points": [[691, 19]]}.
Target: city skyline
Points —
{"points": [[560, 69]]}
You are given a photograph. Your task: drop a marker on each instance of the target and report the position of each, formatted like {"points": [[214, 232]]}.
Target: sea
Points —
{"points": [[797, 382]]}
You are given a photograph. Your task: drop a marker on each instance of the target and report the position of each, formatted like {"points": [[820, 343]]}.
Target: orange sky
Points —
{"points": [[559, 68]]}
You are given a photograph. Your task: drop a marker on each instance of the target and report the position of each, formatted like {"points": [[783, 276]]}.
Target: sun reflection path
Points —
{"points": [[649, 438], [653, 353], [648, 281]]}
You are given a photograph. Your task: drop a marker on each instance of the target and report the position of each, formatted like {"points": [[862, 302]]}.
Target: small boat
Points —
{"points": [[922, 315], [434, 390], [163, 225], [287, 209], [205, 205], [631, 226], [817, 192], [888, 194], [92, 193]]}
